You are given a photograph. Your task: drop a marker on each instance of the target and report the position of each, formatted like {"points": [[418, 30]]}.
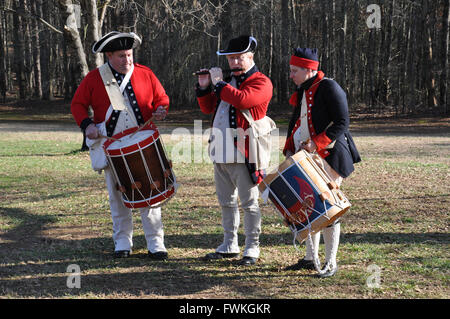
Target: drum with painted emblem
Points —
{"points": [[305, 196]]}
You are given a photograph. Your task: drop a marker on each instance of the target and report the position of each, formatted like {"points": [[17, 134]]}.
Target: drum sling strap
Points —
{"points": [[112, 87], [114, 91]]}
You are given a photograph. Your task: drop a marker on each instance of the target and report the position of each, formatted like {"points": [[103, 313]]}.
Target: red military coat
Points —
{"points": [[147, 90], [254, 92]]}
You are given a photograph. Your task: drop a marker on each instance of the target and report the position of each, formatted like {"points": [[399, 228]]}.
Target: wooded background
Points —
{"points": [[389, 56]]}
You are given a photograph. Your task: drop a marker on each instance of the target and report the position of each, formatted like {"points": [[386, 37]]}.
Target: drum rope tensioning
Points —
{"points": [[305, 196], [141, 167]]}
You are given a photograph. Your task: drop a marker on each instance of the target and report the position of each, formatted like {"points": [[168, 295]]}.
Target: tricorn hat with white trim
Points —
{"points": [[241, 44], [115, 41]]}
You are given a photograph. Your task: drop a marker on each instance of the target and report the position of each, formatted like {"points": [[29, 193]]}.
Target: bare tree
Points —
{"points": [[402, 65], [93, 32], [73, 36], [444, 101]]}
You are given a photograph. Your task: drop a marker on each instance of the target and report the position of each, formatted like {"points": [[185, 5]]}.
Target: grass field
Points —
{"points": [[54, 213]]}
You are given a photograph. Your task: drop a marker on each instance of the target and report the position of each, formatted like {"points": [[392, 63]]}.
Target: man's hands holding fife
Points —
{"points": [[215, 75]]}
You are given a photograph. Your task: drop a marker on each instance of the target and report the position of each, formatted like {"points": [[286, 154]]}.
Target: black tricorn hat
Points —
{"points": [[115, 41], [241, 44]]}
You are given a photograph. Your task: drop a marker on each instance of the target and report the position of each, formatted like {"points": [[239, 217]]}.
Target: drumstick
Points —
{"points": [[144, 125], [306, 142], [147, 122], [108, 137], [151, 119]]}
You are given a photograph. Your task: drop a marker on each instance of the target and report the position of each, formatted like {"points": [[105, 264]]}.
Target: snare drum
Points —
{"points": [[304, 195], [140, 166]]}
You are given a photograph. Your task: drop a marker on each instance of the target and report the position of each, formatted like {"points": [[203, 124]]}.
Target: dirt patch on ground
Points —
{"points": [[47, 114], [400, 125]]}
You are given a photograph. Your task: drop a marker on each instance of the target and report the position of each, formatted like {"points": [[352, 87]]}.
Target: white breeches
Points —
{"points": [[123, 221], [233, 181]]}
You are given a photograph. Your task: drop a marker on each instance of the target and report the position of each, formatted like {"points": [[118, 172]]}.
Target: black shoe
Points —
{"points": [[329, 271], [159, 255], [248, 261], [302, 264], [122, 254], [216, 256]]}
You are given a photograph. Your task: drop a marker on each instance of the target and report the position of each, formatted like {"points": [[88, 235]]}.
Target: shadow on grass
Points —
{"points": [[70, 153], [397, 238], [33, 265]]}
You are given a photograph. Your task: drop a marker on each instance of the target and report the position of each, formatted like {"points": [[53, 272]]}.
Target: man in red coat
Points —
{"points": [[144, 97], [235, 175]]}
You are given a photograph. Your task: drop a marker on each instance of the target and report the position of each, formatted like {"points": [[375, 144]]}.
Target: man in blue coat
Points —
{"points": [[320, 123]]}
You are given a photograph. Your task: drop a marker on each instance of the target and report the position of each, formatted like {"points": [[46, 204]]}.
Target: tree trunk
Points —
{"points": [[3, 57], [353, 65], [37, 52], [386, 78], [73, 37], [332, 48], [46, 51], [443, 98], [428, 70], [19, 52], [324, 61], [93, 34], [284, 52], [271, 39], [411, 102], [342, 53]]}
